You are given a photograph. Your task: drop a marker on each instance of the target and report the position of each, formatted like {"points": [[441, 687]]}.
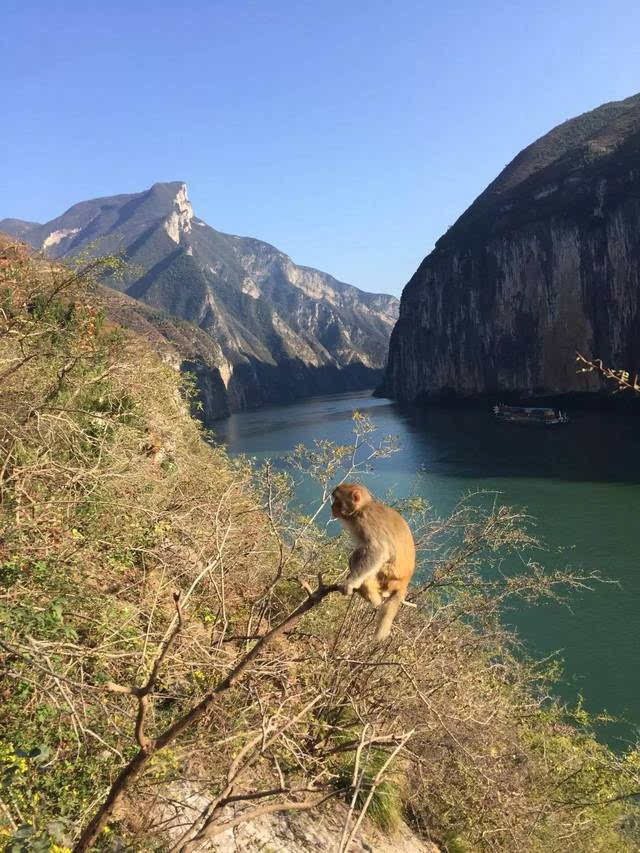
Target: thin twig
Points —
{"points": [[378, 779]]}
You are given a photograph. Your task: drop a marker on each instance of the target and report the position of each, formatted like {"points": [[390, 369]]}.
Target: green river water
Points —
{"points": [[581, 482]]}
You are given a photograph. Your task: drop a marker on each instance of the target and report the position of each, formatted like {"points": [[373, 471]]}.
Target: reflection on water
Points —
{"points": [[581, 482]]}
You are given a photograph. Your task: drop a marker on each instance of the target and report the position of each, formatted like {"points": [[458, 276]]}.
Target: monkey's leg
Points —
{"points": [[364, 563], [369, 589], [387, 613]]}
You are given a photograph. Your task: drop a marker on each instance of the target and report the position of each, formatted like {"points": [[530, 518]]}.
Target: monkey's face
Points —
{"points": [[347, 499], [337, 507]]}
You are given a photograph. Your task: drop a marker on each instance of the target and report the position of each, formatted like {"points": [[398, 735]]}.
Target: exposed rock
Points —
{"points": [[545, 262], [316, 831], [283, 331], [179, 220], [56, 236]]}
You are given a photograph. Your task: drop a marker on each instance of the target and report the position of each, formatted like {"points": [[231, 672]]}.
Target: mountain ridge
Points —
{"points": [[284, 330]]}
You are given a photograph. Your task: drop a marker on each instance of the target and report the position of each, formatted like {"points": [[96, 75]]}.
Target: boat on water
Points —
{"points": [[540, 415]]}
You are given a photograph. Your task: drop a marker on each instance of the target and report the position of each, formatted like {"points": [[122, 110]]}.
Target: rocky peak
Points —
{"points": [[179, 220]]}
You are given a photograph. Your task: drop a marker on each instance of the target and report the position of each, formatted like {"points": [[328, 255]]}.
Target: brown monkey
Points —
{"points": [[381, 566]]}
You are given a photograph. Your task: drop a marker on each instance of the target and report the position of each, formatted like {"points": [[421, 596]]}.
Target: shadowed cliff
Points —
{"points": [[544, 262]]}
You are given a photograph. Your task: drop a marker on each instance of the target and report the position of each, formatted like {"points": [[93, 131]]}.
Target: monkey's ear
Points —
{"points": [[356, 496]]}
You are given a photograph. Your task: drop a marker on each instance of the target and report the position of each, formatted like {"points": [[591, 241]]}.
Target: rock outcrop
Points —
{"points": [[545, 262], [280, 331], [286, 832]]}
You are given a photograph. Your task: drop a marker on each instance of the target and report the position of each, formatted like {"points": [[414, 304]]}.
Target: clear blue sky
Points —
{"points": [[348, 134]]}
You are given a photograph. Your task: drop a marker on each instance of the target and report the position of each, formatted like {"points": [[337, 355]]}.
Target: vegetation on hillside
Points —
{"points": [[140, 566]]}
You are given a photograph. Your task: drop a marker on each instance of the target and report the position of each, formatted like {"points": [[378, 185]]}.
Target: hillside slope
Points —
{"points": [[141, 572], [283, 330], [543, 263]]}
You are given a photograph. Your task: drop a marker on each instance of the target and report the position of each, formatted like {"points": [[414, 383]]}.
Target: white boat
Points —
{"points": [[539, 415]]}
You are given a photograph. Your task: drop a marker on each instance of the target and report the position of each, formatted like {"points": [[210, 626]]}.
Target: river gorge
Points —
{"points": [[580, 483]]}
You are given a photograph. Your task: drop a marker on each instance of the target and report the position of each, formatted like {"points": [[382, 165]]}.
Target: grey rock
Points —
{"points": [[316, 831]]}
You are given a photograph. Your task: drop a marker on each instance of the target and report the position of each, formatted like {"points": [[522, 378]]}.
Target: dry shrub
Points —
{"points": [[111, 501]]}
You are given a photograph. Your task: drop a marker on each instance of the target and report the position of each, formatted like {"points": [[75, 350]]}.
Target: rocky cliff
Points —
{"points": [[545, 262], [278, 330]]}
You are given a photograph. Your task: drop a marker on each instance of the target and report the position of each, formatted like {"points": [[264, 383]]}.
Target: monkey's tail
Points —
{"points": [[387, 613]]}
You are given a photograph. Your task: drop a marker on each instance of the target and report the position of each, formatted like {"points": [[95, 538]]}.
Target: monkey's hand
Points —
{"points": [[347, 587]]}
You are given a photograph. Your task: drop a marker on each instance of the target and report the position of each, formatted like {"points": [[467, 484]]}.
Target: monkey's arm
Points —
{"points": [[366, 560]]}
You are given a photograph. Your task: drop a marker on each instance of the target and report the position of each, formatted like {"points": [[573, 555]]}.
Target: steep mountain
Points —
{"points": [[283, 330], [546, 261]]}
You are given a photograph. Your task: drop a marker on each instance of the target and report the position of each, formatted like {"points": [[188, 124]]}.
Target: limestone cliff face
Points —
{"points": [[545, 262], [277, 331]]}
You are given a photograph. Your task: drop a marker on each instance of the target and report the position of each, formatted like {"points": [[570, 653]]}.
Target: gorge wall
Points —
{"points": [[545, 262]]}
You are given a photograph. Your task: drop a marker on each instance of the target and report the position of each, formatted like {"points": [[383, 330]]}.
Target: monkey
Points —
{"points": [[384, 559]]}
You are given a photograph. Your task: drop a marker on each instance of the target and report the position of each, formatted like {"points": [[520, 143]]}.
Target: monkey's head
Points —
{"points": [[348, 499]]}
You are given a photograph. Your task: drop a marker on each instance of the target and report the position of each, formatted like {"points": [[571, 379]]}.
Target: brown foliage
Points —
{"points": [[147, 591]]}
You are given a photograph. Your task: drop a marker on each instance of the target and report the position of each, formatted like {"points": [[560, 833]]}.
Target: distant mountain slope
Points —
{"points": [[17, 227], [284, 330], [546, 261], [181, 344]]}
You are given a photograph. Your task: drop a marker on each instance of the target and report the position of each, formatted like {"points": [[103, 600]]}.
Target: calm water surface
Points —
{"points": [[580, 482]]}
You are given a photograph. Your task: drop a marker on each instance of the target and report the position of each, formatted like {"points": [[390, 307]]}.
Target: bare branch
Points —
{"points": [[132, 770]]}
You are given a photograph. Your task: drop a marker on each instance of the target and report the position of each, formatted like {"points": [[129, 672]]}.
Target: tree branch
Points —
{"points": [[138, 763], [289, 805]]}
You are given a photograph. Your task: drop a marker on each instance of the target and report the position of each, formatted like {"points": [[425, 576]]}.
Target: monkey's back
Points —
{"points": [[387, 526]]}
